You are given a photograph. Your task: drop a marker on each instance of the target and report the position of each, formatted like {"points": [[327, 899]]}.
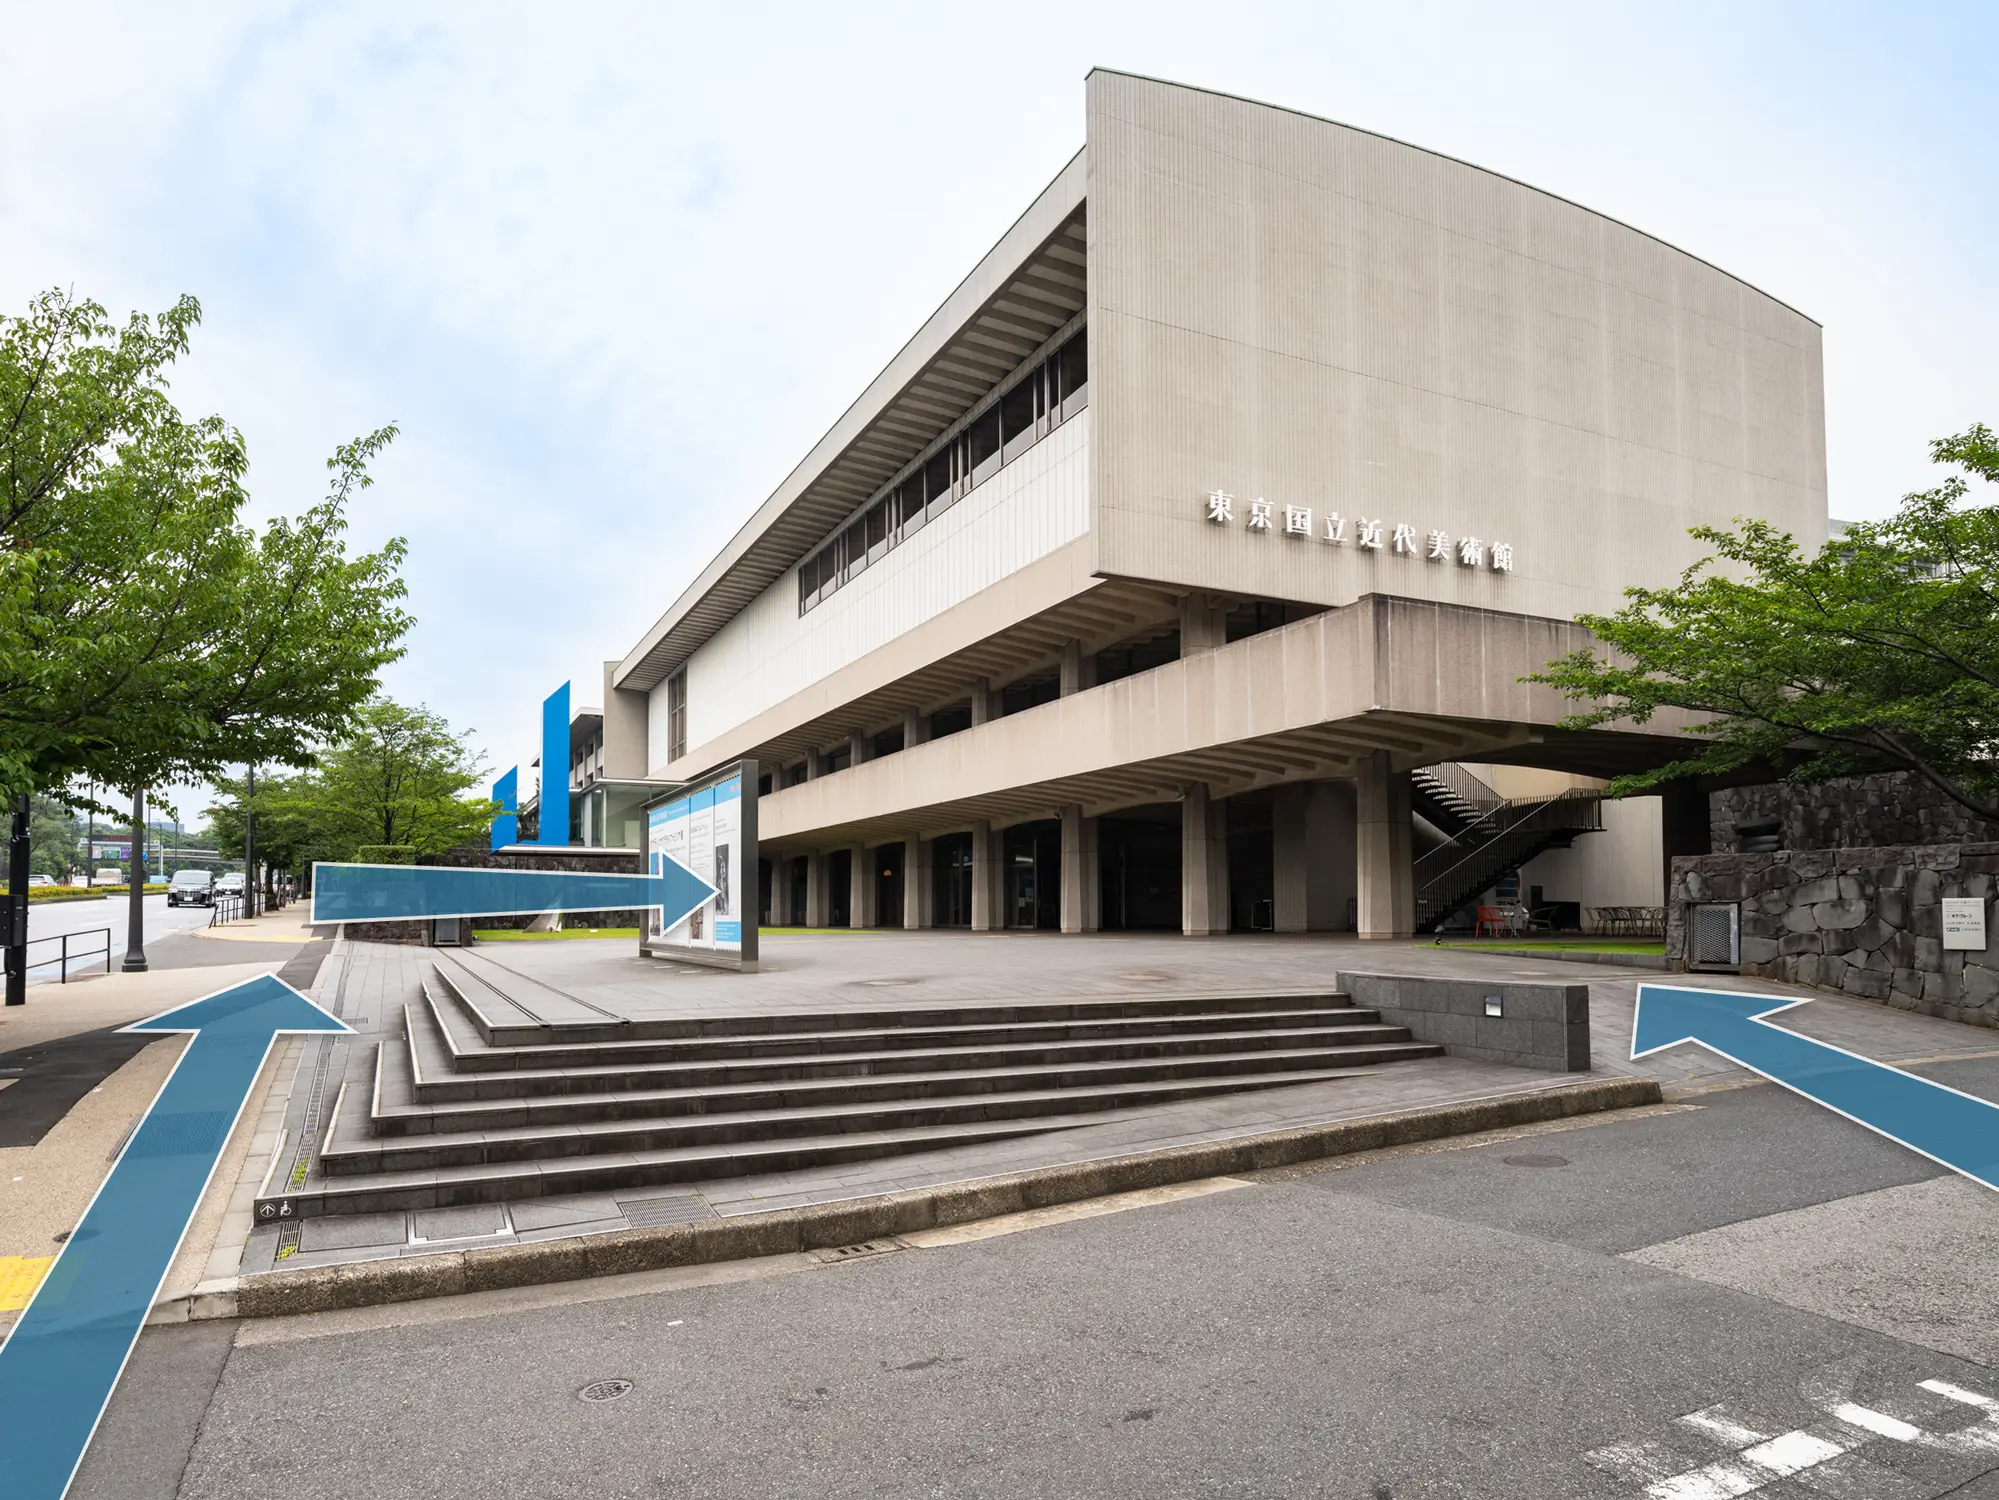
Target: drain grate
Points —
{"points": [[605, 1390], [659, 1213]]}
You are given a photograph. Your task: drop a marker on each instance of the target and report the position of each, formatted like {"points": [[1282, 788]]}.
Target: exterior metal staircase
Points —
{"points": [[1490, 835]]}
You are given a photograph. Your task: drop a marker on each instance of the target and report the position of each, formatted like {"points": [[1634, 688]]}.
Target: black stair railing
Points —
{"points": [[1451, 797], [1451, 875]]}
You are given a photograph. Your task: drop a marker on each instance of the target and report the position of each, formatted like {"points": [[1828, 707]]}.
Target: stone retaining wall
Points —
{"points": [[1865, 922], [1853, 812]]}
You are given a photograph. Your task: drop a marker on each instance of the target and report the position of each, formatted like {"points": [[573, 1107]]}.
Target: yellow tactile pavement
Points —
{"points": [[19, 1276]]}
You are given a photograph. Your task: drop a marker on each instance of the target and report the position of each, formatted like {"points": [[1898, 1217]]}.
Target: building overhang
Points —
{"points": [[1026, 288]]}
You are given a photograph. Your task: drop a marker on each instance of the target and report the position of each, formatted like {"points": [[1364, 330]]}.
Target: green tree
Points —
{"points": [[1881, 652], [55, 839], [147, 635], [399, 776]]}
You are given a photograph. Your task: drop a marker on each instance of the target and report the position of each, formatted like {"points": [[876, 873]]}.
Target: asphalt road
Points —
{"points": [[53, 918], [1487, 1320]]}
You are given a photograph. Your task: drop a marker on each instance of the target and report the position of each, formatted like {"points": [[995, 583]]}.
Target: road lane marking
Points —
{"points": [[19, 1276]]}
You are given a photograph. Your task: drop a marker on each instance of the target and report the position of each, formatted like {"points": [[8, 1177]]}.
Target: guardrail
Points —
{"points": [[65, 956], [228, 908]]}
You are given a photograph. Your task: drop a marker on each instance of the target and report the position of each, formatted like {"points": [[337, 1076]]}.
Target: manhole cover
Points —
{"points": [[1532, 1160], [605, 1390]]}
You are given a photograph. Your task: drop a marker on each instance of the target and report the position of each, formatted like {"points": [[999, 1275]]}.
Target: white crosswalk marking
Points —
{"points": [[1821, 1458]]}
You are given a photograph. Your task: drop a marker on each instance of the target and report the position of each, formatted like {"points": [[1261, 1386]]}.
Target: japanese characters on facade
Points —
{"points": [[1372, 534]]}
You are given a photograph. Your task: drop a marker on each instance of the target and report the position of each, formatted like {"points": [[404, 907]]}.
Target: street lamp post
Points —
{"points": [[250, 844], [135, 930]]}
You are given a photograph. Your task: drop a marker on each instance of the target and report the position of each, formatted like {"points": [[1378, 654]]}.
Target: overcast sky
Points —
{"points": [[615, 268]]}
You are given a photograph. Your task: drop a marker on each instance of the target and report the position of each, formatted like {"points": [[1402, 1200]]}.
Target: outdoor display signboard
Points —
{"points": [[710, 826]]}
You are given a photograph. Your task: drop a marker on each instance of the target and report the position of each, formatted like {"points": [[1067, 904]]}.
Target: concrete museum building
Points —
{"points": [[1180, 571]]}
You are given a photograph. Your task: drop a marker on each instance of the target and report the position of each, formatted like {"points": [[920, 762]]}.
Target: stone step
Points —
{"points": [[936, 1067], [507, 1182], [493, 1000], [469, 1051], [546, 1140]]}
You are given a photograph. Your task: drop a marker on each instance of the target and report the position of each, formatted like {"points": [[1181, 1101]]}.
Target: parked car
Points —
{"points": [[191, 888]]}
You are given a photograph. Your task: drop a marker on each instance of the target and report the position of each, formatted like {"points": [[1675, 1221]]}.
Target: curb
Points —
{"points": [[822, 1226], [1584, 956]]}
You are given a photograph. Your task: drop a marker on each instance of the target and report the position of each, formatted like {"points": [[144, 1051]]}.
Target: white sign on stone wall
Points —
{"points": [[1964, 922], [1375, 534]]}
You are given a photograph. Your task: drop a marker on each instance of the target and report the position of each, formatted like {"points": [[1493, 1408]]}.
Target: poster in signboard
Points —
{"points": [[709, 828]]}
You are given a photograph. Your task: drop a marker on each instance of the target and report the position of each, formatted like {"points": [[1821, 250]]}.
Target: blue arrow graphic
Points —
{"points": [[1954, 1130], [386, 893], [58, 1366]]}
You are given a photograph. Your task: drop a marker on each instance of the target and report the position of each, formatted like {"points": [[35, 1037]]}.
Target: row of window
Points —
{"points": [[1053, 391]]}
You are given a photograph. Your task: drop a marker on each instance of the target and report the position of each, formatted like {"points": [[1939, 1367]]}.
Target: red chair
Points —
{"points": [[1495, 917]]}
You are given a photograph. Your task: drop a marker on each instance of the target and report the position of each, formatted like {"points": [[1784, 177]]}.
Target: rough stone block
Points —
{"points": [[1800, 919], [1694, 886], [1839, 915], [1791, 944], [1867, 984], [1870, 934], [1833, 971], [1941, 989], [1925, 888], [1907, 982], [1981, 984], [1855, 888], [1772, 902], [1809, 969], [1892, 907], [1929, 954], [1814, 891], [1758, 950]]}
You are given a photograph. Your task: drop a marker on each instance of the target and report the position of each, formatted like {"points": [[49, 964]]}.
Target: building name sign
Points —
{"points": [[1964, 922], [1297, 522]]}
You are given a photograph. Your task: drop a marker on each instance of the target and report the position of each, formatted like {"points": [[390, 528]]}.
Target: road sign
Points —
{"points": [[1952, 1129], [62, 1359], [388, 893]]}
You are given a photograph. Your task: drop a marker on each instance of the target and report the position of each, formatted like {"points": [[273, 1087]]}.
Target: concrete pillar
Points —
{"points": [[1383, 875], [815, 765], [1329, 857], [915, 729], [1684, 828], [982, 701], [860, 887], [917, 896], [1204, 862], [818, 897], [1203, 623], [780, 892], [1079, 668], [860, 747], [1290, 905], [1082, 883], [985, 865]]}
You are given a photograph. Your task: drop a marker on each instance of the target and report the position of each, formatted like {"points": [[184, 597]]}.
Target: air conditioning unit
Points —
{"points": [[1714, 936]]}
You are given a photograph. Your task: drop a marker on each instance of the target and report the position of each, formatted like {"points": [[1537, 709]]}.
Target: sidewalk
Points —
{"points": [[72, 1090]]}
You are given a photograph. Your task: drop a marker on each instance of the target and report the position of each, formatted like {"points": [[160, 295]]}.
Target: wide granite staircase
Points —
{"points": [[484, 1097]]}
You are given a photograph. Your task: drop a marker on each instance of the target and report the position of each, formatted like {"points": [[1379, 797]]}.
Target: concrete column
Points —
{"points": [[818, 896], [917, 897], [985, 865], [1204, 863], [1203, 623], [1684, 828], [860, 747], [1082, 883], [1329, 857], [780, 892], [982, 701], [815, 765], [860, 887], [915, 729], [1290, 856], [1383, 876], [1079, 668]]}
